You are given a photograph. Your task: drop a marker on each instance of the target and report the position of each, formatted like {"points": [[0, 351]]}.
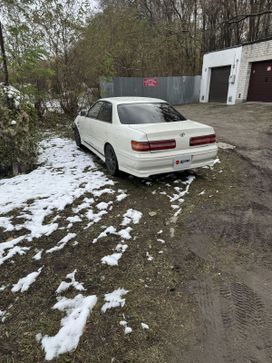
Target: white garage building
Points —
{"points": [[238, 74]]}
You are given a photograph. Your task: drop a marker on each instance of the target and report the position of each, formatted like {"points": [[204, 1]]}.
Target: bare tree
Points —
{"points": [[4, 58]]}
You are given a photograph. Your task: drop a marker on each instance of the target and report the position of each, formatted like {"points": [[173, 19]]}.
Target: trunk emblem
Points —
{"points": [[182, 134]]}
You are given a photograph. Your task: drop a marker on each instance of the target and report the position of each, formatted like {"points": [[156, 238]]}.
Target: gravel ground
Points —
{"points": [[246, 125]]}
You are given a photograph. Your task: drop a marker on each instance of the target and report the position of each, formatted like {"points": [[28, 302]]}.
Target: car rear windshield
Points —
{"points": [[148, 113]]}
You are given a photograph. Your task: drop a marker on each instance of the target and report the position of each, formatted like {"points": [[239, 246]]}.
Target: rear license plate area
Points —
{"points": [[182, 162]]}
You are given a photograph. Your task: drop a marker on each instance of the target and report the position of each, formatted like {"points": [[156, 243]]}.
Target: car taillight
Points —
{"points": [[153, 145], [140, 146], [202, 140]]}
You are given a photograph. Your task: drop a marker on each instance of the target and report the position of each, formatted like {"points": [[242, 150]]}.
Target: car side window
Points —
{"points": [[105, 113], [94, 110]]}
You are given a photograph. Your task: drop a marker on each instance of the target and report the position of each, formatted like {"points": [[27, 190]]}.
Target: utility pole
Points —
{"points": [[4, 58]]}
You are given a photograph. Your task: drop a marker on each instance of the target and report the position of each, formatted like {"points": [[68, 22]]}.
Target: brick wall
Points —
{"points": [[251, 53]]}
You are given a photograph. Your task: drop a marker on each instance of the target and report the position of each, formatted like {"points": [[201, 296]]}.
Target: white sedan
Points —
{"points": [[144, 136]]}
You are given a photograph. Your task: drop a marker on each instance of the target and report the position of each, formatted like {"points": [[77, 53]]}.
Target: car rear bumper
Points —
{"points": [[146, 164]]}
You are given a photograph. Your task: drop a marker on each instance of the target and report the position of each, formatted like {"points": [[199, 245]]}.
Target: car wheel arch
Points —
{"points": [[106, 144], [115, 157]]}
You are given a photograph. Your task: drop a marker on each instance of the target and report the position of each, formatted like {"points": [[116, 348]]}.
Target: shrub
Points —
{"points": [[18, 141]]}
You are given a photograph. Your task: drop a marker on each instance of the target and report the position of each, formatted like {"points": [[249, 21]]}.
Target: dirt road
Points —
{"points": [[233, 235], [246, 125]]}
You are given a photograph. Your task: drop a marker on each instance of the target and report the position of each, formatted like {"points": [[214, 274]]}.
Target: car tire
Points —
{"points": [[111, 160], [77, 137]]}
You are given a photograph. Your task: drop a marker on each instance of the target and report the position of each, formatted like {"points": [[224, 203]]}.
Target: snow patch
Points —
{"points": [[131, 216], [8, 245], [3, 315], [144, 326], [114, 299], [125, 233], [103, 205], [121, 247], [161, 240], [225, 146], [149, 257], [127, 329], [38, 255], [105, 233], [75, 284], [98, 193], [121, 197], [94, 217], [17, 250], [111, 260], [66, 340], [61, 179], [24, 283], [74, 219], [87, 202], [6, 224], [180, 192], [62, 243]]}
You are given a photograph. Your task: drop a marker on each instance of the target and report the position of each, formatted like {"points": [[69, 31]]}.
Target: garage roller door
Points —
{"points": [[219, 84], [260, 85]]}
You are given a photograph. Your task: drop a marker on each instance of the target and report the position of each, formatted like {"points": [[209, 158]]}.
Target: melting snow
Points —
{"points": [[24, 283], [2, 315], [144, 326], [114, 299], [125, 233], [127, 329], [121, 247], [108, 231], [77, 311], [180, 192], [98, 193], [62, 243], [65, 174], [9, 245], [87, 202], [38, 255], [225, 146], [65, 285], [5, 224], [94, 217], [111, 260], [103, 205], [149, 257], [161, 240], [74, 219], [121, 197], [17, 250], [131, 215]]}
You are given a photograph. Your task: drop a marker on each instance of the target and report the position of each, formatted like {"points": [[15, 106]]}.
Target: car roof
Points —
{"points": [[121, 100]]}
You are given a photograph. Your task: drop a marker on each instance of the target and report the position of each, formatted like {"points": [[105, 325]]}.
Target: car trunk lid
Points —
{"points": [[180, 131]]}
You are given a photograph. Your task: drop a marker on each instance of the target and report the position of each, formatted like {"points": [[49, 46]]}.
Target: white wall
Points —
{"points": [[255, 52], [227, 57]]}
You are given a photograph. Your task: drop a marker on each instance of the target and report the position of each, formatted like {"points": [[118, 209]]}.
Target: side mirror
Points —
{"points": [[83, 113]]}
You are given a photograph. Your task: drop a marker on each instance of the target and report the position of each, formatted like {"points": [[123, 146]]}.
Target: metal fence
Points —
{"points": [[175, 90]]}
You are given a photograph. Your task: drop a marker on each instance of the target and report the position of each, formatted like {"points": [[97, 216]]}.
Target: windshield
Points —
{"points": [[148, 113]]}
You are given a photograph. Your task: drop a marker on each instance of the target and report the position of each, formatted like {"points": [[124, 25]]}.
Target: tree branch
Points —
{"points": [[239, 18]]}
